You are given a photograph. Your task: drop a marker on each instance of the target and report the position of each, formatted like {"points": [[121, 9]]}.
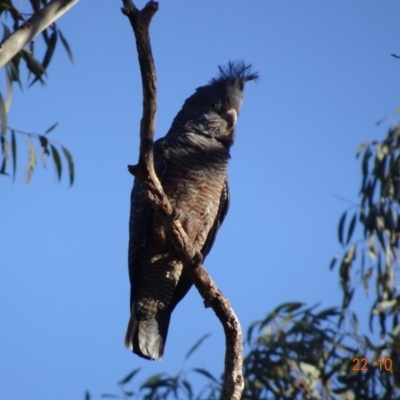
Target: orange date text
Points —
{"points": [[361, 364]]}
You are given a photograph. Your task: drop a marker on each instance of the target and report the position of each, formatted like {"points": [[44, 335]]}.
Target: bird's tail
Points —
{"points": [[147, 338]]}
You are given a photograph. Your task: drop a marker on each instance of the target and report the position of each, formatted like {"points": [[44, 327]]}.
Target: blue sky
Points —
{"points": [[326, 78]]}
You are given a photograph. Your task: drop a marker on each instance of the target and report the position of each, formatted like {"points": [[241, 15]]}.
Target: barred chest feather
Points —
{"points": [[196, 169]]}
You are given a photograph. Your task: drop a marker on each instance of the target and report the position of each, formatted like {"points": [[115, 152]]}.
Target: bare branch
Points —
{"points": [[33, 27], [144, 171]]}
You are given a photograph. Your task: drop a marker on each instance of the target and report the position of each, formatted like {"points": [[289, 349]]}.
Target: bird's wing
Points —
{"points": [[141, 216], [185, 282], [222, 211]]}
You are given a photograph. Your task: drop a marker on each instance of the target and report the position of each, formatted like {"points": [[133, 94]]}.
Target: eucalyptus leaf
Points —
{"points": [[57, 161]]}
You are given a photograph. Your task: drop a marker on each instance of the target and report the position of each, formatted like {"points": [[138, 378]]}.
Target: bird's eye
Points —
{"points": [[217, 106]]}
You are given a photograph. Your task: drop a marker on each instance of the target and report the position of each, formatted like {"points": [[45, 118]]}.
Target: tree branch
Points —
{"points": [[144, 171], [33, 27]]}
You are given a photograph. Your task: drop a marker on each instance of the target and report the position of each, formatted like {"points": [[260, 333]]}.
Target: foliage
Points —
{"points": [[378, 247], [295, 352], [37, 72]]}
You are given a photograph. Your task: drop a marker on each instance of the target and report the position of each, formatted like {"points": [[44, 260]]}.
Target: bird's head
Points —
{"points": [[213, 109]]}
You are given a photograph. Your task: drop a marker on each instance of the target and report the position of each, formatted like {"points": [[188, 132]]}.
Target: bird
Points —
{"points": [[191, 162]]}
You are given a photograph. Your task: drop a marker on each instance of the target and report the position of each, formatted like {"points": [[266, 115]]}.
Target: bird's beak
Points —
{"points": [[230, 117]]}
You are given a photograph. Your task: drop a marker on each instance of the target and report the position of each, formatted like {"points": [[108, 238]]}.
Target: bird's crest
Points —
{"points": [[236, 69]]}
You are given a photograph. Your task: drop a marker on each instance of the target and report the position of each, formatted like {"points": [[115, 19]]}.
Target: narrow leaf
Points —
{"points": [[129, 377], [71, 165], [365, 162], [51, 45], [196, 345], [354, 322], [52, 127], [37, 69], [5, 150], [66, 46], [361, 148], [13, 154], [333, 261], [3, 116], [351, 228], [205, 373], [371, 247], [12, 70], [44, 142], [57, 161], [31, 162], [329, 312], [341, 227], [9, 93], [6, 29], [36, 4], [45, 34]]}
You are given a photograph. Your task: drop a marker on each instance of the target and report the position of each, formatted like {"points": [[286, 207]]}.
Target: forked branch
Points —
{"points": [[144, 171]]}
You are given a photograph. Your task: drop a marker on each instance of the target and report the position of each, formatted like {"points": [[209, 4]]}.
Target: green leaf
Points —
{"points": [[381, 151], [186, 384], [9, 93], [33, 65], [354, 322], [346, 264], [341, 227], [291, 306], [329, 312], [196, 345], [385, 305], [52, 127], [13, 154], [129, 377], [5, 149], [12, 69], [365, 163], [36, 5], [44, 142], [3, 116], [45, 34], [207, 374], [333, 261], [371, 247], [32, 160], [351, 228], [252, 327], [37, 69], [361, 148], [154, 381], [66, 46], [51, 45], [71, 165], [6, 30], [57, 161]]}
